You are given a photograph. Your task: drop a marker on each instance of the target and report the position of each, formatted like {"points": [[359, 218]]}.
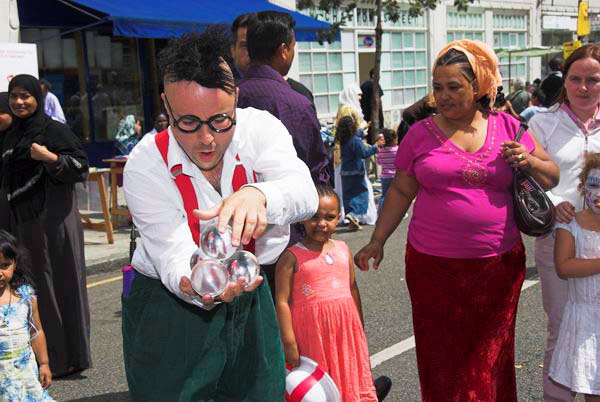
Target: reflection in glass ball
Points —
{"points": [[243, 264], [214, 244], [209, 277]]}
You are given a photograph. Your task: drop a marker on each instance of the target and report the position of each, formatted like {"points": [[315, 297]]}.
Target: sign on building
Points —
{"points": [[16, 58]]}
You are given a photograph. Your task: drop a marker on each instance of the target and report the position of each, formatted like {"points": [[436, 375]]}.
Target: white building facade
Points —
{"points": [[410, 45]]}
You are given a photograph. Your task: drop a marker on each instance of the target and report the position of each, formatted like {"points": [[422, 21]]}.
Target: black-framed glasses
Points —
{"points": [[219, 123]]}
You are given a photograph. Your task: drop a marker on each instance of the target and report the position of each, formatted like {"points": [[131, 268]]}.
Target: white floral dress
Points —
{"points": [[576, 357], [19, 377]]}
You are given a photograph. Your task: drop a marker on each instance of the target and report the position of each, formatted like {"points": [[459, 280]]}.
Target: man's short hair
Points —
{"points": [[199, 58], [241, 21], [556, 63], [267, 30]]}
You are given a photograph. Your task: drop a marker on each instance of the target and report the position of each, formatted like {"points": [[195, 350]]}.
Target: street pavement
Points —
{"points": [[387, 314]]}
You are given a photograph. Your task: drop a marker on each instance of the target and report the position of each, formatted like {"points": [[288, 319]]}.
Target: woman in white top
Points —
{"points": [[567, 130]]}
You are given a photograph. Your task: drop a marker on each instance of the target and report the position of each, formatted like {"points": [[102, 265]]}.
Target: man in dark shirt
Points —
{"points": [[552, 84], [271, 43], [367, 97], [519, 98], [239, 53]]}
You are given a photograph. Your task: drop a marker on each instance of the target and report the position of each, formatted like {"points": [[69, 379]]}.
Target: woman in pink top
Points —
{"points": [[465, 261]]}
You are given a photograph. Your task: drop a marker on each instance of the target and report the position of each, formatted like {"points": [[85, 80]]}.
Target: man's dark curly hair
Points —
{"points": [[11, 250], [199, 57]]}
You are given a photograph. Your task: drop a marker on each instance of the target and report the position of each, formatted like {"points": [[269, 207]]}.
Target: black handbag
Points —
{"points": [[534, 212]]}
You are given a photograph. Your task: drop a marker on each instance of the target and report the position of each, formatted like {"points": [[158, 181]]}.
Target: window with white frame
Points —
{"points": [[510, 32], [322, 69], [465, 26], [408, 68]]}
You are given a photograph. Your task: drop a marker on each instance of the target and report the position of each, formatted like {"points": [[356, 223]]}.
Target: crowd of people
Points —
{"points": [[240, 144]]}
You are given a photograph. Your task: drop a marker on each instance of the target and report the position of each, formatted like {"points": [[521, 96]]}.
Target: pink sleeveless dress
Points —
{"points": [[326, 322]]}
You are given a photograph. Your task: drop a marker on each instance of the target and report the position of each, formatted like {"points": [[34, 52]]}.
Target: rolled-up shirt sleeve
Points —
{"points": [[284, 179], [166, 237]]}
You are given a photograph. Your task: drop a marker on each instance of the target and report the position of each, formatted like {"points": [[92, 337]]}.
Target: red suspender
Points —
{"points": [[186, 188], [184, 185]]}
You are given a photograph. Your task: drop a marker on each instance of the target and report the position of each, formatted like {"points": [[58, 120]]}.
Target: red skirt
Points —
{"points": [[464, 313]]}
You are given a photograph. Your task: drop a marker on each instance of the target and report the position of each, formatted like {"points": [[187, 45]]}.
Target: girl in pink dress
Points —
{"points": [[318, 304]]}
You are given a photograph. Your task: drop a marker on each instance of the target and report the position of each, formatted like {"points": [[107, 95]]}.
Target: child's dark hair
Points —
{"points": [[390, 136], [10, 249], [325, 190], [345, 129]]}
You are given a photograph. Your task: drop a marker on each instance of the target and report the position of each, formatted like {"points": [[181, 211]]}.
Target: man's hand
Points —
{"points": [[233, 290], [247, 208]]}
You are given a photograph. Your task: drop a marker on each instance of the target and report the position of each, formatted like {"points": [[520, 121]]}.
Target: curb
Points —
{"points": [[110, 264]]}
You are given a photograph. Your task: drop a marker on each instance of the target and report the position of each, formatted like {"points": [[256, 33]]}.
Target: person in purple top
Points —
{"points": [[270, 42]]}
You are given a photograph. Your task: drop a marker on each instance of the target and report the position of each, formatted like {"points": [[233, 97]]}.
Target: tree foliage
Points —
{"points": [[391, 10]]}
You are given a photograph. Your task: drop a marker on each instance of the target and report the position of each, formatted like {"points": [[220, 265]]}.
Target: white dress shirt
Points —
{"points": [[53, 109], [264, 146], [565, 143]]}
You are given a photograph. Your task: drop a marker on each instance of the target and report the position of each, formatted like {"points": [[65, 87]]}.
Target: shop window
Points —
{"points": [[58, 64], [115, 82]]}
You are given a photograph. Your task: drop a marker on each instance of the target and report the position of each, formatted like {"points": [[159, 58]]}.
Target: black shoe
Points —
{"points": [[383, 384]]}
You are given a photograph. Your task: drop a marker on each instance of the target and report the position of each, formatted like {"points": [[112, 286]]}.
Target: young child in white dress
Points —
{"points": [[24, 367], [576, 359]]}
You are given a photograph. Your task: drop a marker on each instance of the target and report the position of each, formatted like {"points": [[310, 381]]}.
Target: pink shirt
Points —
{"points": [[386, 158], [456, 214]]}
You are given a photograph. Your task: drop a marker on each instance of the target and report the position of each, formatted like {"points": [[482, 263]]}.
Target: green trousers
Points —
{"points": [[175, 351]]}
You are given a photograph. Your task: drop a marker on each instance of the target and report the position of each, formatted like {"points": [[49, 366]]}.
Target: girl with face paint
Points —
{"points": [[576, 359]]}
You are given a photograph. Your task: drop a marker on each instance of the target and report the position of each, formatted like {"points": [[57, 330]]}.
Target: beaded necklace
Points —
{"points": [[473, 170]]}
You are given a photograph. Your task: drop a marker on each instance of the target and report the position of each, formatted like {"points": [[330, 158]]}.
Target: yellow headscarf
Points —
{"points": [[484, 63]]}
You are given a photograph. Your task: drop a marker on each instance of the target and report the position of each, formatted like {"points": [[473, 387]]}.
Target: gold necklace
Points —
{"points": [[473, 170]]}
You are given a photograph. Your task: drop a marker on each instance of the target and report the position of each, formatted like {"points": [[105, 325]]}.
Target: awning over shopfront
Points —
{"points": [[172, 18], [529, 52]]}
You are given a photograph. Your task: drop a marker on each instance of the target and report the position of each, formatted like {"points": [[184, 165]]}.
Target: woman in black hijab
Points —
{"points": [[41, 162]]}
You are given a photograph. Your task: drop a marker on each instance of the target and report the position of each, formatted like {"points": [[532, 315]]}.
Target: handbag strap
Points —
{"points": [[521, 131]]}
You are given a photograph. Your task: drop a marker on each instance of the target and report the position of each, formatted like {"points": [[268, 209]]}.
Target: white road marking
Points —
{"points": [[409, 343]]}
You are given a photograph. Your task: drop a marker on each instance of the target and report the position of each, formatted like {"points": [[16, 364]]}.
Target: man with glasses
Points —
{"points": [[214, 162]]}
